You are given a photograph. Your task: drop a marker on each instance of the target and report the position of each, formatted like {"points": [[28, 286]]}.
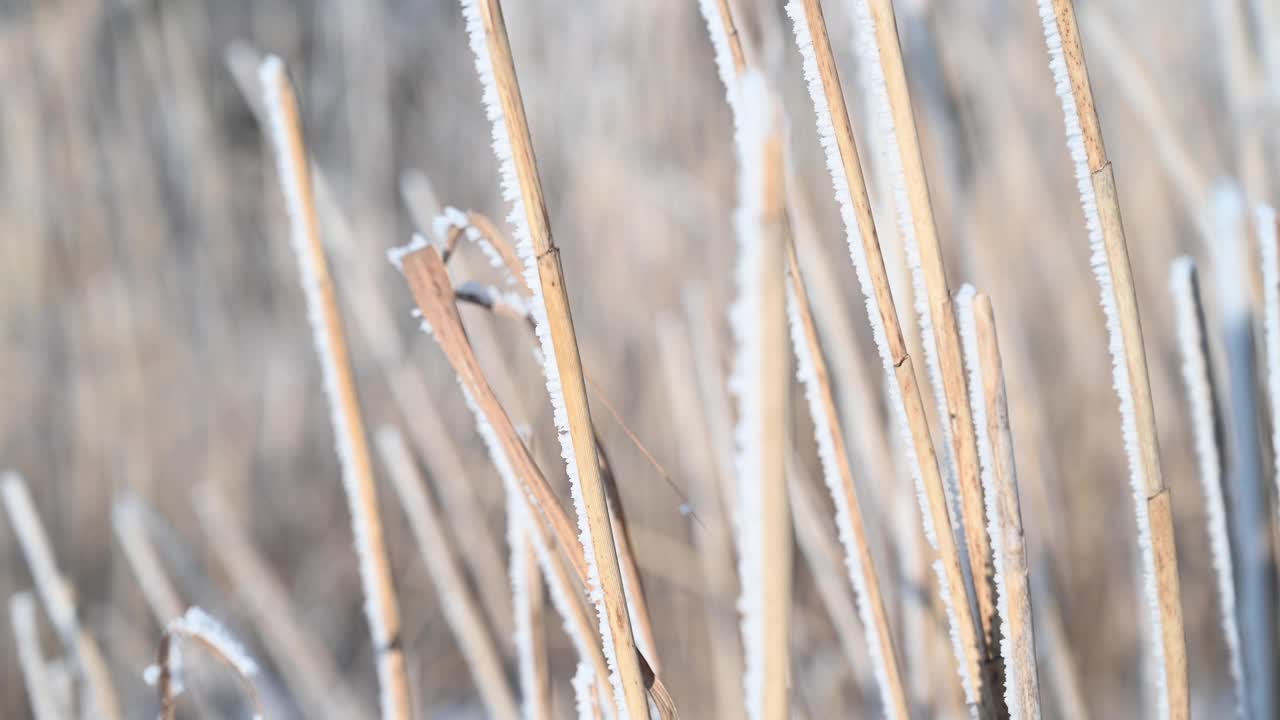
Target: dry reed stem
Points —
{"points": [[965, 626], [165, 684], [771, 390], [612, 603], [457, 602], [429, 282], [712, 538], [536, 700], [946, 337], [381, 609], [714, 396], [161, 596], [1159, 504], [35, 672], [56, 594], [306, 666], [894, 693], [1020, 632]]}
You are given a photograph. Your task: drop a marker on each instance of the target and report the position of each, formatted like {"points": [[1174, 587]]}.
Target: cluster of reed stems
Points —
{"points": [[950, 432]]}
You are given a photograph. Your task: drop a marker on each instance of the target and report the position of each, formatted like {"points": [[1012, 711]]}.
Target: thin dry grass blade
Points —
{"points": [[131, 531]]}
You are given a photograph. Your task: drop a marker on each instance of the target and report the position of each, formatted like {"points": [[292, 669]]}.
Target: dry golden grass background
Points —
{"points": [[154, 336]]}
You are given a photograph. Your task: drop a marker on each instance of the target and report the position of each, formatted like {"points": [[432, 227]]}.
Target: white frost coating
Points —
{"points": [[844, 198], [396, 255], [1270, 254], [451, 218], [1195, 377], [807, 373], [1119, 374], [876, 95], [966, 323], [454, 219], [524, 248], [196, 623], [523, 585], [290, 167], [583, 698], [744, 384], [724, 58]]}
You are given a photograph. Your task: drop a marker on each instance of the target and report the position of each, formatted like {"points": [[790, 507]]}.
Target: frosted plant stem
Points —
{"points": [[562, 365], [905, 401], [460, 608], [1110, 261], [1269, 253], [885, 81], [829, 433], [532, 664], [381, 609], [1197, 378], [199, 628], [55, 593], [976, 325], [35, 671]]}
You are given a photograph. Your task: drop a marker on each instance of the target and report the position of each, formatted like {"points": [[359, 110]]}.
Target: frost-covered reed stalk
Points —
{"points": [[562, 365], [460, 608], [130, 530], [905, 402], [884, 81], [35, 671], [1269, 253], [1206, 433], [1109, 258], [59, 605], [1245, 496], [526, 591], [811, 367], [760, 384], [1000, 495], [381, 609], [201, 629]]}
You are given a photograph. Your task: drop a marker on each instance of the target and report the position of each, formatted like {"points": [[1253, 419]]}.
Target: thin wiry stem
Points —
{"points": [[381, 609], [1110, 261], [199, 628], [35, 672]]}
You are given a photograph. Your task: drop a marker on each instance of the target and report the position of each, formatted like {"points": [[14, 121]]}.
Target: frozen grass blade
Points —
{"points": [[459, 606], [906, 404], [55, 592], [35, 672], [562, 365], [131, 532], [381, 609], [1110, 260], [1206, 432], [532, 664]]}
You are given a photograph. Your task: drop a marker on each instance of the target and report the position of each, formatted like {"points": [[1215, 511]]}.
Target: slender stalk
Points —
{"points": [[381, 609], [839, 478], [162, 597], [906, 402], [939, 326], [35, 672], [1101, 206], [56, 595], [1206, 431], [200, 629], [1018, 646], [460, 607], [532, 662]]}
